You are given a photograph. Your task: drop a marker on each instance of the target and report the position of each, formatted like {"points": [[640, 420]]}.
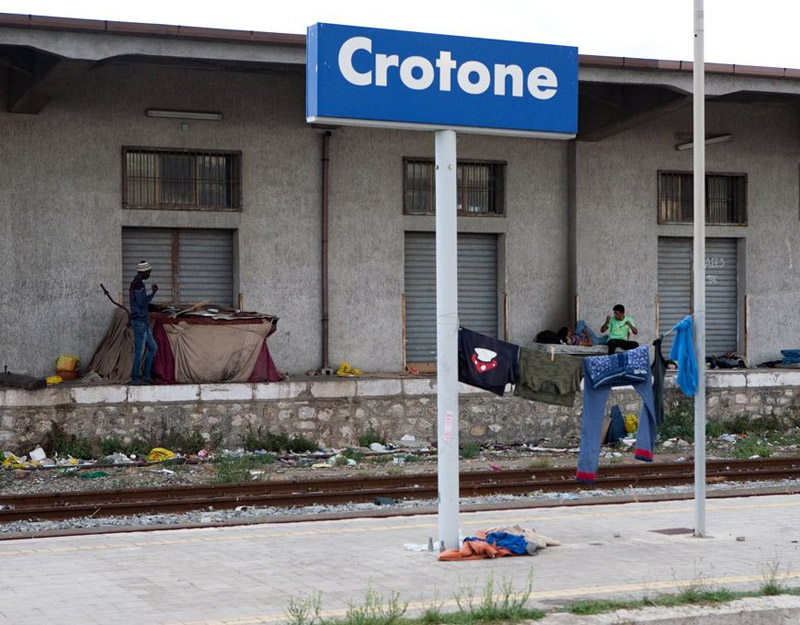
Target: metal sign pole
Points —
{"points": [[699, 274], [447, 336]]}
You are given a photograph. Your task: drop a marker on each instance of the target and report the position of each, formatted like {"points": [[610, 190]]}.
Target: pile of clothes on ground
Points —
{"points": [[498, 542]]}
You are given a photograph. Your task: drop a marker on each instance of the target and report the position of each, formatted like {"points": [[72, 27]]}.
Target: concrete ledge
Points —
{"points": [[279, 390], [226, 392], [379, 388], [328, 389], [166, 393], [780, 610], [45, 397], [99, 394]]}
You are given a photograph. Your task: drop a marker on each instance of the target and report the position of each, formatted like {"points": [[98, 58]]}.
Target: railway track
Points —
{"points": [[333, 491]]}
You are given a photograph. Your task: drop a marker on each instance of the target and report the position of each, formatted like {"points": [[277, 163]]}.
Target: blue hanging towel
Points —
{"points": [[682, 352]]}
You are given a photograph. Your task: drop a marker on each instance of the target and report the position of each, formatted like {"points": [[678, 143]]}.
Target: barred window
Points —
{"points": [[481, 187], [181, 179], [726, 198]]}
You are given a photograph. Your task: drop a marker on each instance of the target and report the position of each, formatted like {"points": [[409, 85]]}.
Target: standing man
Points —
{"points": [[142, 335], [619, 330]]}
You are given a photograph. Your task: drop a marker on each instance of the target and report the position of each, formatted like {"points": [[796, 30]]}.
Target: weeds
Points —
{"points": [[371, 436], [540, 463], [750, 446], [277, 442], [373, 612], [771, 586], [353, 454], [470, 449], [57, 441], [137, 446], [304, 611], [235, 470]]}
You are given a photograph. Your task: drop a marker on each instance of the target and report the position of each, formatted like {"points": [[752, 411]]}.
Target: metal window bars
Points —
{"points": [[181, 179], [481, 187], [726, 198]]}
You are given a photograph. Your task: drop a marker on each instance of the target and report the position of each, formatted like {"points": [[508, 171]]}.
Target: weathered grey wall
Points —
{"points": [[618, 230], [368, 227], [60, 193], [60, 203]]}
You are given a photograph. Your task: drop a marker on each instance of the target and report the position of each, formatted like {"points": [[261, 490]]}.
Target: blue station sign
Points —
{"points": [[397, 79]]}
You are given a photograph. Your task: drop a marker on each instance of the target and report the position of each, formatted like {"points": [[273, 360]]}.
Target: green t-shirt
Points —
{"points": [[618, 329]]}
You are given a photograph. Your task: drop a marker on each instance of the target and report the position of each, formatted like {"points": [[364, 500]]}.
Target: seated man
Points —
{"points": [[619, 330]]}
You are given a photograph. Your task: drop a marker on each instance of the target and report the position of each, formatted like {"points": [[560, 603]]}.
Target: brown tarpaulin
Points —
{"points": [[113, 359], [215, 353]]}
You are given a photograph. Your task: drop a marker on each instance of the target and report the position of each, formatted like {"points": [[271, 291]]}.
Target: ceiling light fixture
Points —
{"points": [[709, 141], [198, 115]]}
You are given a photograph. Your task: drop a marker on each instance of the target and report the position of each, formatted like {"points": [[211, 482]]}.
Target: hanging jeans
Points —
{"points": [[142, 337], [594, 406]]}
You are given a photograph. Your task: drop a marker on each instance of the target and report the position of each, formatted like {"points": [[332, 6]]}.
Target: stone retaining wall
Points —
{"points": [[334, 412]]}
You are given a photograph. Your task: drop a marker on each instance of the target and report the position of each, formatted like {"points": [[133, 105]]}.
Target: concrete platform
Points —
{"points": [[246, 575]]}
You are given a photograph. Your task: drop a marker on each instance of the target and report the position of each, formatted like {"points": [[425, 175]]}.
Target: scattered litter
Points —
{"points": [[54, 379], [346, 370], [631, 423], [91, 475], [431, 546], [399, 460], [408, 438], [494, 467], [384, 501], [256, 472], [568, 496], [616, 454], [728, 438], [320, 465], [668, 443], [629, 442], [377, 447], [38, 454], [202, 454], [119, 458], [740, 539], [159, 454]]}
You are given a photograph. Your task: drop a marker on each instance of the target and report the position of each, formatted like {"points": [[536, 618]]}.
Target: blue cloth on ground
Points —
{"points": [[515, 543], [682, 352], [616, 431], [790, 356]]}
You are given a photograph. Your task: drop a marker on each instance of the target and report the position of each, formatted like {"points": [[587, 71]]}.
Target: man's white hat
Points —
{"points": [[143, 267]]}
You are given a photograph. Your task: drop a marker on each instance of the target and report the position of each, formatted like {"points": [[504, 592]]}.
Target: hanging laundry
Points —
{"points": [[485, 362], [682, 352], [659, 370], [553, 381], [607, 372]]}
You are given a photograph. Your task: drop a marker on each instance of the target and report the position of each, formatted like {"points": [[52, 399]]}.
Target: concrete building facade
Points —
{"points": [[579, 228]]}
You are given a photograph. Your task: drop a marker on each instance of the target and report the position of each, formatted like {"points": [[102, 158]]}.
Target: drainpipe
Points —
{"points": [[326, 138]]}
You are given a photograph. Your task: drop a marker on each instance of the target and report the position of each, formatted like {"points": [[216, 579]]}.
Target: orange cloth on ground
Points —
{"points": [[474, 550]]}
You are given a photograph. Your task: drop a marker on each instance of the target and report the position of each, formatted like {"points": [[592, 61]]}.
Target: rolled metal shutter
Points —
{"points": [[477, 289], [674, 285], [205, 266], [155, 246], [675, 290], [722, 320]]}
